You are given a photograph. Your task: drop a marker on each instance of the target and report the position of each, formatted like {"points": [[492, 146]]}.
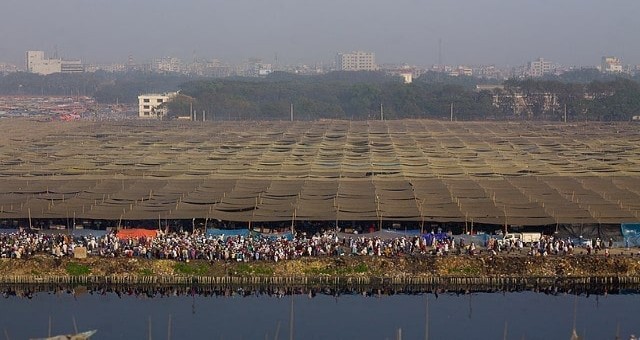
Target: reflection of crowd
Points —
{"points": [[185, 246], [161, 291]]}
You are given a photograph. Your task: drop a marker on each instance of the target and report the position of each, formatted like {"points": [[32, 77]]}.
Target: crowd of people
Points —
{"points": [[185, 246], [189, 246], [550, 245]]}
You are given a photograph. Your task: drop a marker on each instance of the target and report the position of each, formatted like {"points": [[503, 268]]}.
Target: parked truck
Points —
{"points": [[527, 238]]}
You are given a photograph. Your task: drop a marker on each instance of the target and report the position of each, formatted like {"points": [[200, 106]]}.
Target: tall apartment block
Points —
{"points": [[356, 61], [37, 63], [611, 65], [539, 68]]}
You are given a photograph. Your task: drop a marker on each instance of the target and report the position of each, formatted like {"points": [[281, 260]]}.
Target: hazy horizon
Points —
{"points": [[570, 32]]}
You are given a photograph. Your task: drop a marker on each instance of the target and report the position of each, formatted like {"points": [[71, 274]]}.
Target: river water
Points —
{"points": [[522, 315]]}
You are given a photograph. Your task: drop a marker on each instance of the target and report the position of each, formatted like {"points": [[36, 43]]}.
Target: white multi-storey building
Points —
{"points": [[611, 65], [167, 64], [539, 68], [150, 105], [356, 61], [7, 68], [37, 63]]}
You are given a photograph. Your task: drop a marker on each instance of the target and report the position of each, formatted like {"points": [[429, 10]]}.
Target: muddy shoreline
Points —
{"points": [[362, 268]]}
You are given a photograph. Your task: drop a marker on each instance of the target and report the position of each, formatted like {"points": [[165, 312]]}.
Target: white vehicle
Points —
{"points": [[530, 238], [527, 238]]}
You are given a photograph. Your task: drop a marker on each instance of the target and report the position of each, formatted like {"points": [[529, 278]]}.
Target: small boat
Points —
{"points": [[77, 336], [574, 335]]}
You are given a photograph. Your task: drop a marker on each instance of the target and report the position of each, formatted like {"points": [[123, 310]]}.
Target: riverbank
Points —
{"points": [[399, 268]]}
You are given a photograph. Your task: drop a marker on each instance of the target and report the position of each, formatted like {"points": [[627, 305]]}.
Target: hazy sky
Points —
{"points": [[501, 32]]}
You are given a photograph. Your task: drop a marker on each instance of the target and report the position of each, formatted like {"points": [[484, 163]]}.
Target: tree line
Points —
{"points": [[578, 95], [105, 87], [371, 95]]}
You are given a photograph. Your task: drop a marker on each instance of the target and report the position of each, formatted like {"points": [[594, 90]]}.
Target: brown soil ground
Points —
{"points": [[483, 265]]}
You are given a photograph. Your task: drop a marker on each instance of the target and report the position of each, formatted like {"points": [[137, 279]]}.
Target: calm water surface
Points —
{"points": [[524, 315]]}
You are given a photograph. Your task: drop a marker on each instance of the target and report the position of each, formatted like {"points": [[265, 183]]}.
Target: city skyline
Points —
{"points": [[407, 31], [161, 63], [37, 62]]}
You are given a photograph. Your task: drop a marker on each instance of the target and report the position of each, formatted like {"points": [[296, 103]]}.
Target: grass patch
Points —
{"points": [[467, 271], [319, 271], [360, 268], [245, 269], [77, 269], [263, 270], [146, 272], [194, 269]]}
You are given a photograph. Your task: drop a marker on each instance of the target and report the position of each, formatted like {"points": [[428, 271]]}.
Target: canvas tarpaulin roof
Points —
{"points": [[135, 233], [408, 170]]}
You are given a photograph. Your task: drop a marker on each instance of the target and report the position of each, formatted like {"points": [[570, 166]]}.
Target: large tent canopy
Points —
{"points": [[406, 170]]}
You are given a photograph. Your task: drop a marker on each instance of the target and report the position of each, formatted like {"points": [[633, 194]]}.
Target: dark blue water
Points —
{"points": [[526, 315]]}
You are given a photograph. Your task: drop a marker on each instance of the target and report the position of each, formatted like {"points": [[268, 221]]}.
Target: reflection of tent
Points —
{"points": [[136, 233]]}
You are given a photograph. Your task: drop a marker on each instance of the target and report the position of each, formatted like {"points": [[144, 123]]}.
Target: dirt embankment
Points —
{"points": [[455, 266]]}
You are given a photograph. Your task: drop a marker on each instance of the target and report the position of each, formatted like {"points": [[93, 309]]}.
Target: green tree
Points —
{"points": [[180, 106]]}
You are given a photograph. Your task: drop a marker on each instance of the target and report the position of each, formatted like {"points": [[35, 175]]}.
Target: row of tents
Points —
{"points": [[626, 234], [405, 170]]}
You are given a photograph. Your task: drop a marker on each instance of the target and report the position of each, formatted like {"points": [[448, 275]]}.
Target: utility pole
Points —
{"points": [[440, 68], [381, 112], [440, 54], [451, 112], [565, 113], [292, 112]]}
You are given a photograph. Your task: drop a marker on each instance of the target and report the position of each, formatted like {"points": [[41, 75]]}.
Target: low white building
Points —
{"points": [[150, 105]]}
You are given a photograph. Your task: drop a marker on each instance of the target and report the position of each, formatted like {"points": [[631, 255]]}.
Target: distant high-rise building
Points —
{"points": [[461, 71], [356, 61], [7, 68], [256, 68], [539, 68], [611, 65], [167, 64], [37, 63]]}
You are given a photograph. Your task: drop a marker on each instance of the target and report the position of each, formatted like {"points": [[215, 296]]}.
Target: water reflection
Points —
{"points": [[154, 290], [128, 312]]}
